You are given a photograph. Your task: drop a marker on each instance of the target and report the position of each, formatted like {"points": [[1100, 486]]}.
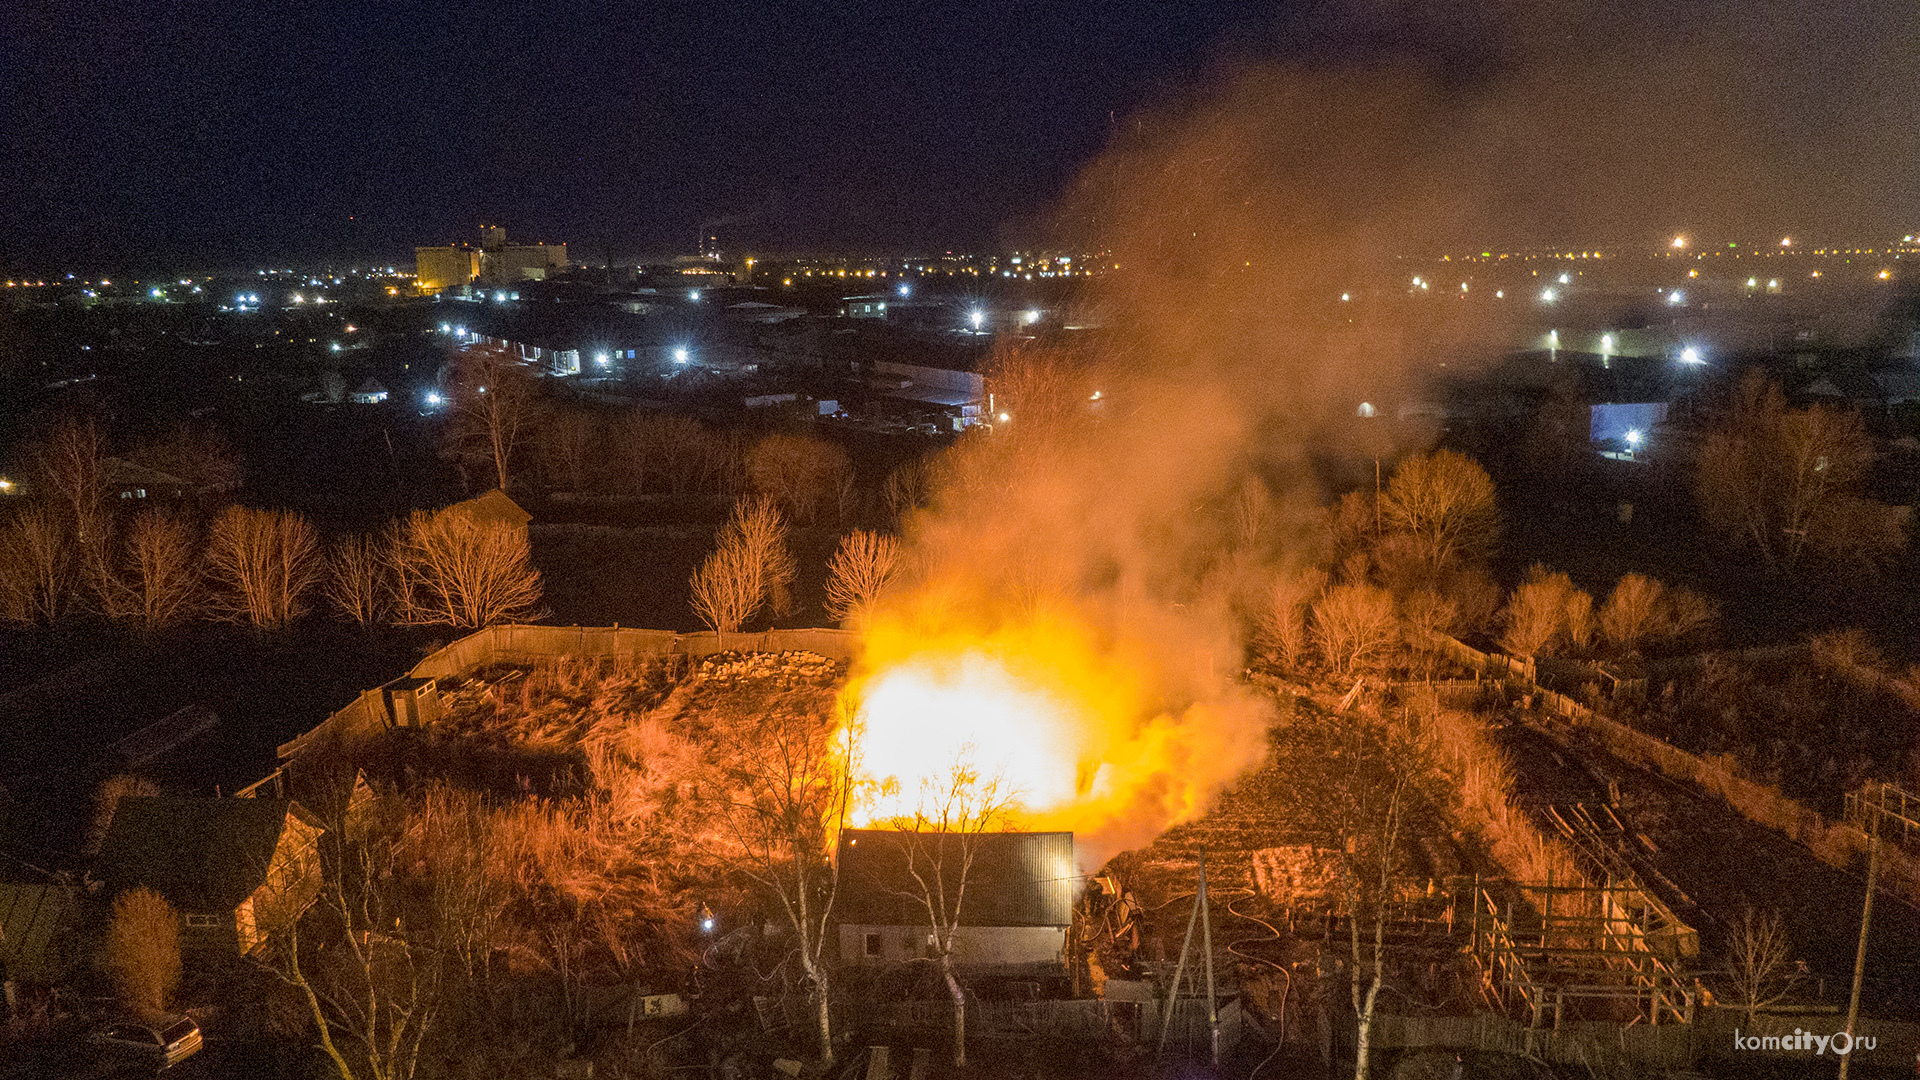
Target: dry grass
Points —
{"points": [[563, 813], [1463, 749]]}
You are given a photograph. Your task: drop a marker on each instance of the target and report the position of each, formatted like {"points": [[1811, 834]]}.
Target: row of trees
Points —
{"points": [[263, 568], [500, 423], [1410, 562], [752, 569]]}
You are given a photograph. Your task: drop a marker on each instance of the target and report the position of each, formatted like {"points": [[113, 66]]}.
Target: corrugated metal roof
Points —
{"points": [[1017, 879]]}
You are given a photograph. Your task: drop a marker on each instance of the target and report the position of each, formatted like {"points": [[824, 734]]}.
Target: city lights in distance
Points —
{"points": [[1004, 417], [1676, 297], [905, 289], [1786, 241], [1566, 279], [433, 397], [1546, 296], [1679, 242], [1345, 297], [694, 295]]}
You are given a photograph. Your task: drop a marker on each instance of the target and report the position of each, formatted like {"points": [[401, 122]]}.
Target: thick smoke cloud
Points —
{"points": [[1151, 475]]}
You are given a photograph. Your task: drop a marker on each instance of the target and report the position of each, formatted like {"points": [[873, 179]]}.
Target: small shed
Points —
{"points": [[369, 392], [1014, 921], [411, 701], [234, 869]]}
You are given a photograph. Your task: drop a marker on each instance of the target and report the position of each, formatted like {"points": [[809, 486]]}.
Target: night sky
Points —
{"points": [[199, 135]]}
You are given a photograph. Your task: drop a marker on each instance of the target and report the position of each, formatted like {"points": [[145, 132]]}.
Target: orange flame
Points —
{"points": [[1088, 733]]}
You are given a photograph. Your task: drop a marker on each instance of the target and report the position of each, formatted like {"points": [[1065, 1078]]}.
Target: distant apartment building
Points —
{"points": [[493, 262]]}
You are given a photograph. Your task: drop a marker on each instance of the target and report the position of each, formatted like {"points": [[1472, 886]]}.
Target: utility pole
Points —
{"points": [[1179, 969], [1860, 954], [1206, 944]]}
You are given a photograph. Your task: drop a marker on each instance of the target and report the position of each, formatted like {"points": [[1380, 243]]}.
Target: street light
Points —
{"points": [[679, 356]]}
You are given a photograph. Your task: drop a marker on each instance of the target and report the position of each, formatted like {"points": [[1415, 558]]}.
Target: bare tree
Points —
{"points": [[1540, 614], [1446, 502], [1283, 622], [36, 565], [784, 792], [725, 590], [751, 568], [495, 407], [1759, 969], [453, 570], [68, 462], [1786, 482], [1367, 869], [801, 473], [908, 487], [360, 575], [1354, 626], [859, 573], [266, 563], [143, 951], [1042, 391], [1641, 611], [364, 963], [162, 584], [569, 446], [939, 842]]}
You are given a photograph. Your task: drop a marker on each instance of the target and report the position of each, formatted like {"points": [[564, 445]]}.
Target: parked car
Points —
{"points": [[165, 1043]]}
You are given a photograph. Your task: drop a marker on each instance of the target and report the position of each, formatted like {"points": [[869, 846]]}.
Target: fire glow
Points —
{"points": [[1083, 733]]}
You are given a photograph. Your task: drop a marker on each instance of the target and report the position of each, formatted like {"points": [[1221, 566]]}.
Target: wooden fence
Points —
{"points": [[538, 644]]}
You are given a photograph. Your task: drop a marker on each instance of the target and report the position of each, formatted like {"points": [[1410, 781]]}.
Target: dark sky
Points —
{"points": [[203, 131], [197, 135]]}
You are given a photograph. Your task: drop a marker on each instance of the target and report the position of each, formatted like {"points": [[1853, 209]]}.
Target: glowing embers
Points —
{"points": [[922, 716]]}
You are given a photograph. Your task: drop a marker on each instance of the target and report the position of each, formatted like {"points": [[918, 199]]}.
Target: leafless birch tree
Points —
{"points": [[859, 572], [1760, 969], [364, 963], [162, 584], [36, 565], [495, 406], [360, 572], [265, 562], [939, 841], [751, 567], [456, 571], [783, 800]]}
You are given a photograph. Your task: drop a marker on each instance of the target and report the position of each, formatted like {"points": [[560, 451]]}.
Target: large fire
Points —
{"points": [[1086, 734]]}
